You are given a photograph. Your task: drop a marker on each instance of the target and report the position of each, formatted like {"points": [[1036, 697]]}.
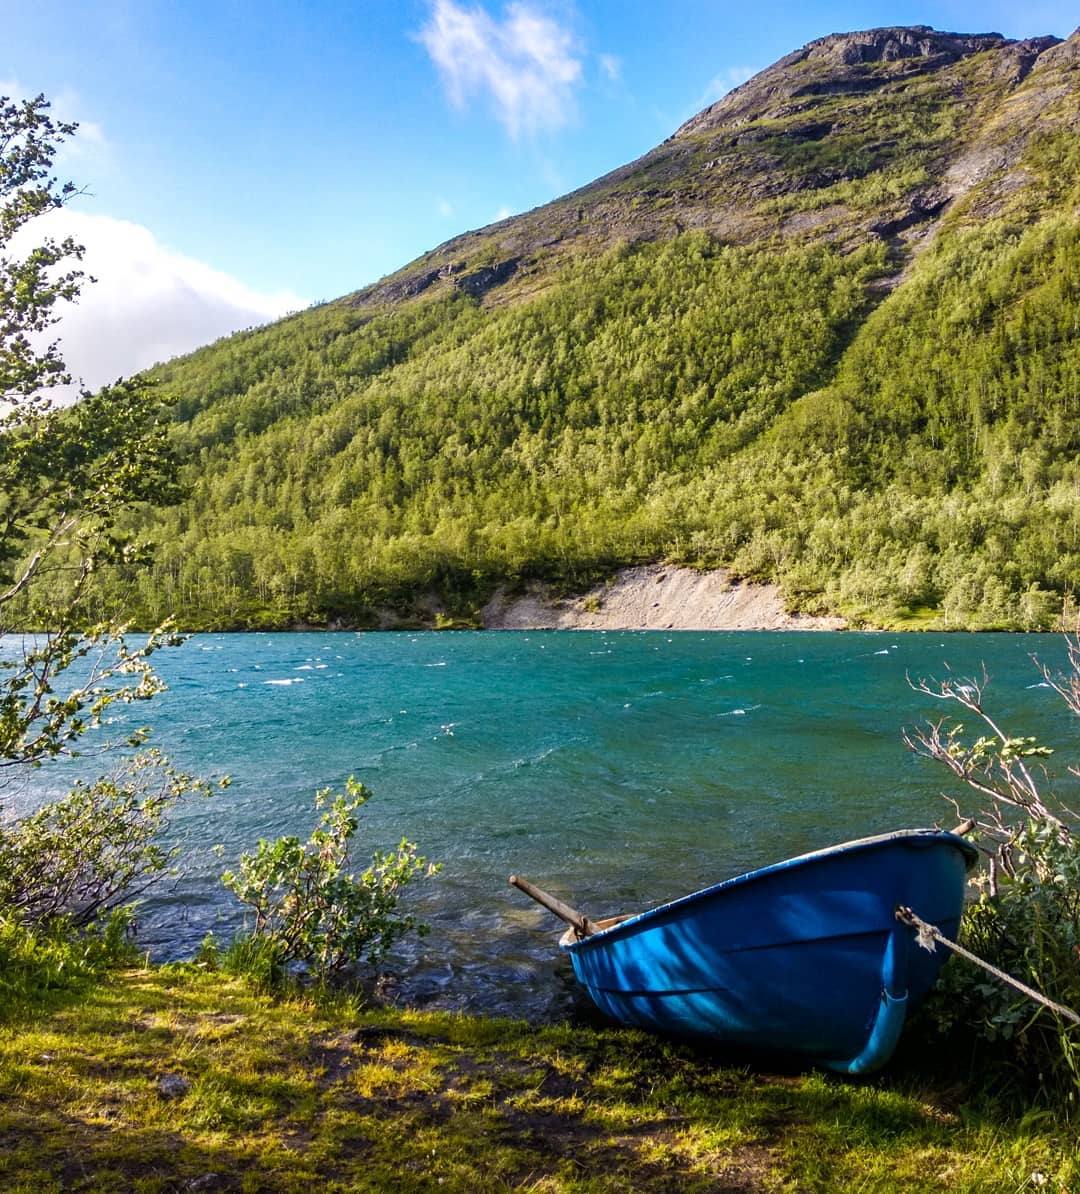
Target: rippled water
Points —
{"points": [[616, 769]]}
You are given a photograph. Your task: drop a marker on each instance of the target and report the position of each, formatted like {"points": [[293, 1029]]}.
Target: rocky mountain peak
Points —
{"points": [[896, 43], [852, 63]]}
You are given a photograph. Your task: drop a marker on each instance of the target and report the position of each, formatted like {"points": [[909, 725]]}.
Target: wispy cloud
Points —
{"points": [[66, 105], [90, 141], [148, 304], [719, 85], [525, 63], [611, 66], [13, 89]]}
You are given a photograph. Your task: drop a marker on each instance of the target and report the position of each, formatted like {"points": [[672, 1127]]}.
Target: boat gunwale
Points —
{"points": [[969, 851]]}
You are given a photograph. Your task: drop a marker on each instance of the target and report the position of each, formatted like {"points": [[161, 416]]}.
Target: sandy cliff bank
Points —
{"points": [[653, 597]]}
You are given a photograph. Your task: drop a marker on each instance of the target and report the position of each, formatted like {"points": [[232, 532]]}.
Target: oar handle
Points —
{"points": [[579, 921]]}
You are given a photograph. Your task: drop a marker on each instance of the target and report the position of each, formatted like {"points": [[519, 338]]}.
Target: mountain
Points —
{"points": [[827, 334]]}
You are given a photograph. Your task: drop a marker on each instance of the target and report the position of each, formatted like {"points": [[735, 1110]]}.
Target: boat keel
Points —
{"points": [[891, 1013]]}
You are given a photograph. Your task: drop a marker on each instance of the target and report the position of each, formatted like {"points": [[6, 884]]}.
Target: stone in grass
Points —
{"points": [[173, 1086]]}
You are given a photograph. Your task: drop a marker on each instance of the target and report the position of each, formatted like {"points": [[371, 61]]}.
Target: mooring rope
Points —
{"points": [[927, 934]]}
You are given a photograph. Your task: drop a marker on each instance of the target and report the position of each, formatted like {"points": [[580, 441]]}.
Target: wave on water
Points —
{"points": [[285, 683], [739, 712], [494, 774], [534, 760]]}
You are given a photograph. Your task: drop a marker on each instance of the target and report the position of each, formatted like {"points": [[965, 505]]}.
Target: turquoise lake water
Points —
{"points": [[618, 770]]}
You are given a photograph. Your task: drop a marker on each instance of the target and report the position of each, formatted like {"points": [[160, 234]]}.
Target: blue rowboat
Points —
{"points": [[803, 957]]}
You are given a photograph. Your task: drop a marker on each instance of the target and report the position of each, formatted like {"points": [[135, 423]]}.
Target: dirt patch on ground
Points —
{"points": [[653, 597]]}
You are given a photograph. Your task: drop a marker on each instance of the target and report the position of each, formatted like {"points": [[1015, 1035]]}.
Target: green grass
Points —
{"points": [[289, 1094]]}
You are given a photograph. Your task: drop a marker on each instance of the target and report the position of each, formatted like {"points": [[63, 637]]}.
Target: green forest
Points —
{"points": [[886, 427]]}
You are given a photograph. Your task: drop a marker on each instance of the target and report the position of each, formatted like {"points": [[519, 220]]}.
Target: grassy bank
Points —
{"points": [[174, 1079]]}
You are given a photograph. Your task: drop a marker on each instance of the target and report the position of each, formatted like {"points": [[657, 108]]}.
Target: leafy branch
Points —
{"points": [[995, 764]]}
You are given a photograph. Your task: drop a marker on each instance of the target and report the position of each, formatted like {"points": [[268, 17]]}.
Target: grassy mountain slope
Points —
{"points": [[827, 334]]}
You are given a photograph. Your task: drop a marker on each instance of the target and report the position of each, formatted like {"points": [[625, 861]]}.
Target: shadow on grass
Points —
{"points": [[278, 1095]]}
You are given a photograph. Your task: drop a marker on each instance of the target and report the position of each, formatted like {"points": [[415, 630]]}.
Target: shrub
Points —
{"points": [[77, 860], [1025, 917], [310, 909], [69, 874]]}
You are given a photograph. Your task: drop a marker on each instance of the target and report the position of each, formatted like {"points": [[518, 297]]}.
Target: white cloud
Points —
{"points": [[504, 213], [526, 63], [445, 208], [148, 304], [719, 85]]}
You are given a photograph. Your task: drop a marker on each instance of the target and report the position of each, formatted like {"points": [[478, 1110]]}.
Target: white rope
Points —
{"points": [[927, 934]]}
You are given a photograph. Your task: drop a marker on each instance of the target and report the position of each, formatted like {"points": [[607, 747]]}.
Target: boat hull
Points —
{"points": [[803, 957]]}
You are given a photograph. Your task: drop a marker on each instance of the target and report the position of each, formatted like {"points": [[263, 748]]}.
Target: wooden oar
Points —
{"points": [[578, 920]]}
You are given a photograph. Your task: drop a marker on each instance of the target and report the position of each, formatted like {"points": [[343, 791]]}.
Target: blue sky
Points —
{"points": [[246, 158]]}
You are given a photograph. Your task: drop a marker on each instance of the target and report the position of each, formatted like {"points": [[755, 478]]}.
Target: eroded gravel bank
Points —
{"points": [[653, 597]]}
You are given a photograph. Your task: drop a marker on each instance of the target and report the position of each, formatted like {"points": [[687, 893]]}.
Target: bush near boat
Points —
{"points": [[1025, 918]]}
